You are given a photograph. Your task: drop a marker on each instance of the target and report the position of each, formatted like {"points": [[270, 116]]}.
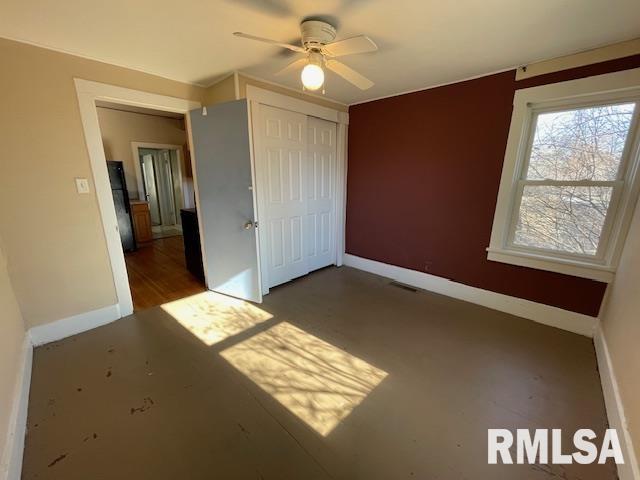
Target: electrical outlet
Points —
{"points": [[82, 185]]}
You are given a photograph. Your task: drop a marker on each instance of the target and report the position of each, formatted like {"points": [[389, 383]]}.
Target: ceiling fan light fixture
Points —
{"points": [[318, 45], [312, 76]]}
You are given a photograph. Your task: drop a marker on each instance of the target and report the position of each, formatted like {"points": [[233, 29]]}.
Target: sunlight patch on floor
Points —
{"points": [[213, 317], [316, 381]]}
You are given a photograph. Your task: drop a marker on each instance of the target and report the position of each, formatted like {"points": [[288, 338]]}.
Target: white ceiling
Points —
{"points": [[422, 42]]}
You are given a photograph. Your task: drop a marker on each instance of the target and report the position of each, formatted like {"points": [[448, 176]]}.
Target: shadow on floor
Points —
{"points": [[336, 375]]}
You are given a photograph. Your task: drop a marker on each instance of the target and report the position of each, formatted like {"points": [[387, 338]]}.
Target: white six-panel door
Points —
{"points": [[295, 166], [321, 170], [283, 171]]}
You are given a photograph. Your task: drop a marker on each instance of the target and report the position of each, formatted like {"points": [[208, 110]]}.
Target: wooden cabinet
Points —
{"points": [[141, 221]]}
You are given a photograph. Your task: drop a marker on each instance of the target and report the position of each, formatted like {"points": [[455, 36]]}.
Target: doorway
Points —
{"points": [[163, 186], [231, 184], [150, 186]]}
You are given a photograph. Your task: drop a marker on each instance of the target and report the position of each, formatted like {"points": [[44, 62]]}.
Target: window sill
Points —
{"points": [[600, 273]]}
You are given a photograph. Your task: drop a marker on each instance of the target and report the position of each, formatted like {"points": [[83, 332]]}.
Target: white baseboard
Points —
{"points": [[615, 409], [12, 456], [538, 312], [72, 325], [11, 466]]}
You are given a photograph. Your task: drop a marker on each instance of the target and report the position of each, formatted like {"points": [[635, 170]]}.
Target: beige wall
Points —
{"points": [[621, 325], [11, 340], [120, 128], [55, 245], [243, 81], [223, 91]]}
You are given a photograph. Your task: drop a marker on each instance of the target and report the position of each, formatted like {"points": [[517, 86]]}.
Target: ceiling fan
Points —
{"points": [[320, 50]]}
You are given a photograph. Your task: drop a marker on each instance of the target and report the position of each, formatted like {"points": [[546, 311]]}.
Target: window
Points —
{"points": [[569, 179], [571, 175]]}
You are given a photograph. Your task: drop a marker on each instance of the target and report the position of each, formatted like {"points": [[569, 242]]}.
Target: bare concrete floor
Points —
{"points": [[336, 375]]}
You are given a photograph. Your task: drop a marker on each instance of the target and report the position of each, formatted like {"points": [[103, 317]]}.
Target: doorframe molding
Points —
{"points": [[88, 92], [256, 95]]}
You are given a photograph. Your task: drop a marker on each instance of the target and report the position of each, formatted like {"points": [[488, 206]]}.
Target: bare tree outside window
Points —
{"points": [[571, 177]]}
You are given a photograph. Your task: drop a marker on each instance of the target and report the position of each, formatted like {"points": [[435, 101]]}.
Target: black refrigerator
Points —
{"points": [[121, 202]]}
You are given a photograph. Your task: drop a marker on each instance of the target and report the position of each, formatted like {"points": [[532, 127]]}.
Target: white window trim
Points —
{"points": [[619, 86]]}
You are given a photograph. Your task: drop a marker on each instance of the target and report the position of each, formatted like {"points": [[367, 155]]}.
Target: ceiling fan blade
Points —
{"points": [[350, 46], [349, 74], [295, 65], [277, 8], [295, 48]]}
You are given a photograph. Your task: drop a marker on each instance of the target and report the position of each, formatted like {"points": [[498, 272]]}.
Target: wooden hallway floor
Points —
{"points": [[158, 273]]}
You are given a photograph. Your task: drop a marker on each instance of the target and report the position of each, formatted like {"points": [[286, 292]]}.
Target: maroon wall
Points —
{"points": [[424, 171]]}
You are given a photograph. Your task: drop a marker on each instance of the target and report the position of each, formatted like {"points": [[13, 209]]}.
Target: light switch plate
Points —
{"points": [[82, 185]]}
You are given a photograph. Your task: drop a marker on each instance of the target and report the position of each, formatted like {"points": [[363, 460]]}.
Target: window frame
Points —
{"points": [[608, 89]]}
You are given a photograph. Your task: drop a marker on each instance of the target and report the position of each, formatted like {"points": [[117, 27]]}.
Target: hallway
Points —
{"points": [[158, 274]]}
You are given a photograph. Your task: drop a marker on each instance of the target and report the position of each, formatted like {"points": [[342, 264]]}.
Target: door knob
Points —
{"points": [[248, 225]]}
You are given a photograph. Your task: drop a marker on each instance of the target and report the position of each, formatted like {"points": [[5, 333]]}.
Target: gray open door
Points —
{"points": [[221, 153]]}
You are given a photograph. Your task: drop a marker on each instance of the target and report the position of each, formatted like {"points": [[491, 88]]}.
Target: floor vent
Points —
{"points": [[403, 286]]}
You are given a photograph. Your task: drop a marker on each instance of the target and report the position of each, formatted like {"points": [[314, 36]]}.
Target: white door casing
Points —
{"points": [[321, 174], [165, 184], [151, 194], [177, 181], [88, 92], [281, 178]]}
